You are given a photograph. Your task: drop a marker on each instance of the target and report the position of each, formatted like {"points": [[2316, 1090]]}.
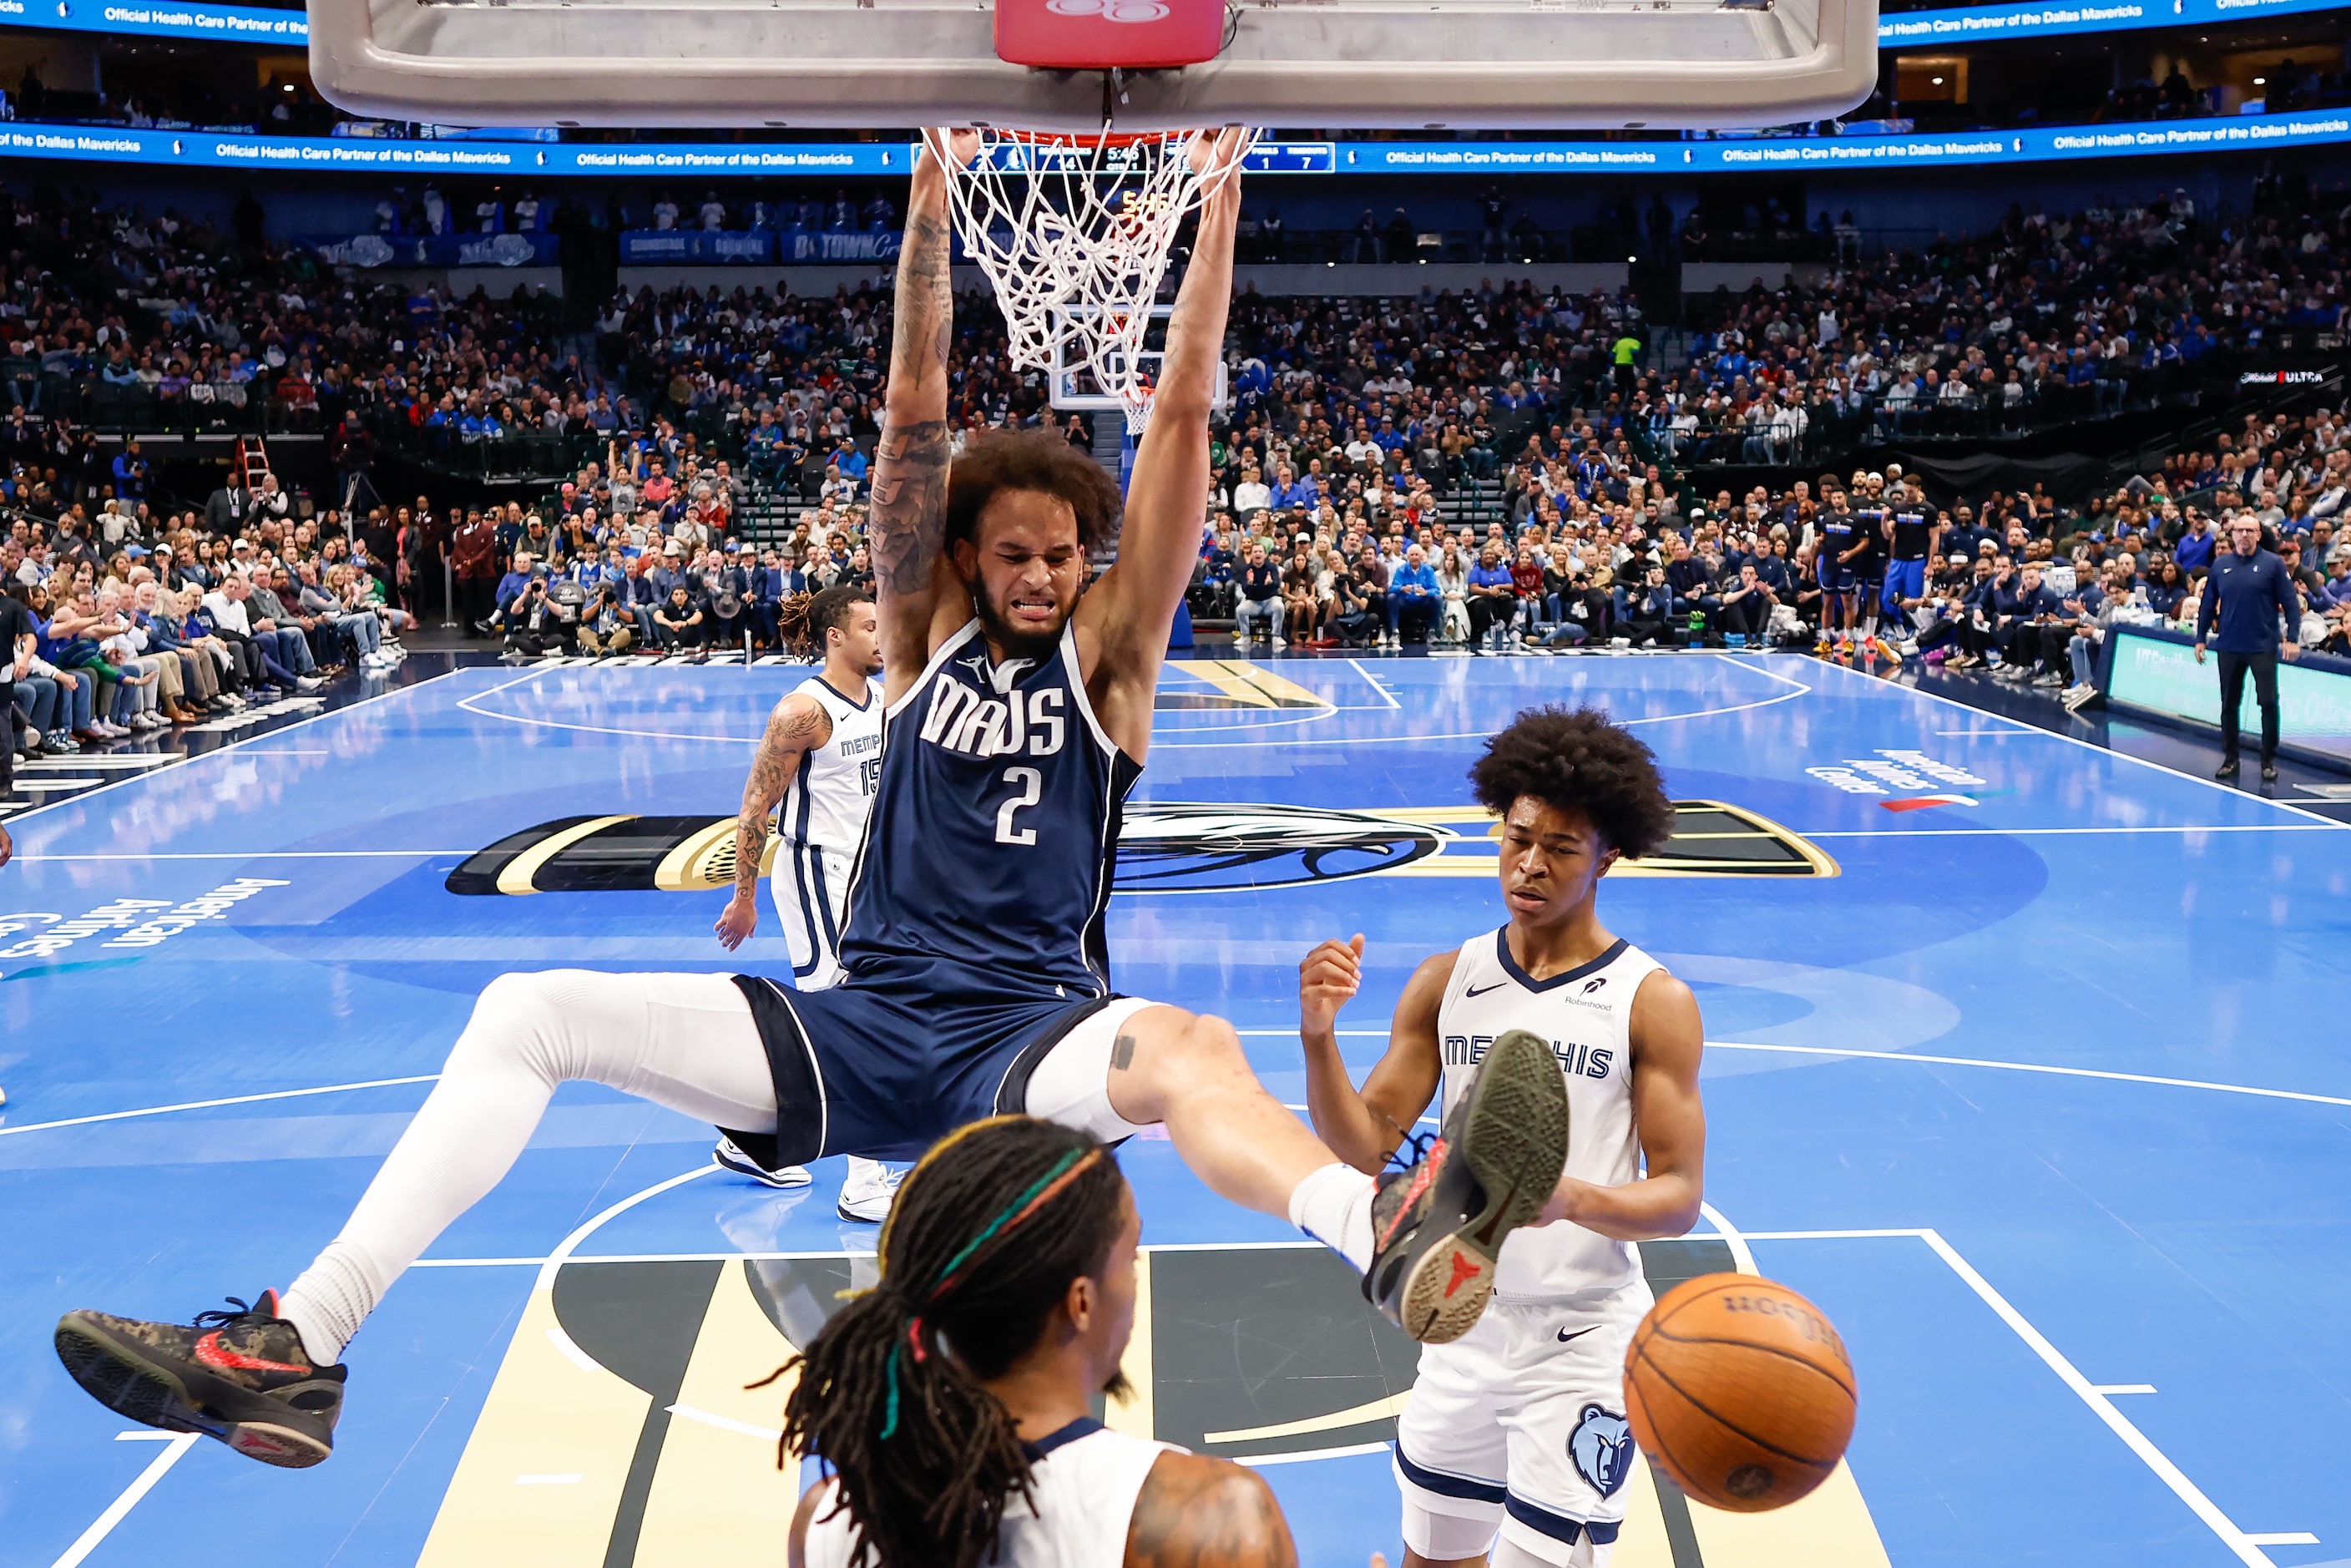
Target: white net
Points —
{"points": [[1073, 231]]}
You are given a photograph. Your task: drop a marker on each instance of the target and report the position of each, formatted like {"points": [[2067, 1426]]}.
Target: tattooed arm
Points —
{"points": [[911, 579], [799, 725], [1129, 612], [1198, 1512]]}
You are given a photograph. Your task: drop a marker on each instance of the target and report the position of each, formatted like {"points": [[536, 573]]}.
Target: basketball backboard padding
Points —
{"points": [[865, 64], [1108, 35]]}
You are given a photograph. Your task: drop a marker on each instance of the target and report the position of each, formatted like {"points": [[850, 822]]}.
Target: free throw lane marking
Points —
{"points": [[116, 1511], [547, 1415], [718, 1494]]}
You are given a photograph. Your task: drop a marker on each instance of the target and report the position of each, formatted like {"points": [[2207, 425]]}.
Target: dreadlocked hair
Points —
{"points": [[981, 1244], [803, 619], [1574, 759]]}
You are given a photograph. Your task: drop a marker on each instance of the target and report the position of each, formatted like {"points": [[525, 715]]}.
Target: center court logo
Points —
{"points": [[1165, 846]]}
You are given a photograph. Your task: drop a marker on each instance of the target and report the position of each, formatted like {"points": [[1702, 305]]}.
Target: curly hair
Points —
{"points": [[1574, 759], [1039, 460]]}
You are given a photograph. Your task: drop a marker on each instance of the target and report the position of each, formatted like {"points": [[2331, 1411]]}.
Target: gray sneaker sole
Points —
{"points": [[1512, 1143]]}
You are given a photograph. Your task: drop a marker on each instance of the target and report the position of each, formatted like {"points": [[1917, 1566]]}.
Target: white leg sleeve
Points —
{"points": [[685, 1042]]}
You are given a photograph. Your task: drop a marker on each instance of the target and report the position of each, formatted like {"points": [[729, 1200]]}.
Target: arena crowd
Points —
{"points": [[1509, 467]]}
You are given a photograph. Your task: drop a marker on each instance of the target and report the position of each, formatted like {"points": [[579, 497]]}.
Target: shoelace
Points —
{"points": [[1419, 1143], [215, 1318]]}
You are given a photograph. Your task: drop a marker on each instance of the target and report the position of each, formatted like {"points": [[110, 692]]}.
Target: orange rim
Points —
{"points": [[1093, 140]]}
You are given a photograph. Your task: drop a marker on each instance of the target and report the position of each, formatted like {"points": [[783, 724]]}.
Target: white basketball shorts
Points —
{"points": [[1520, 1426]]}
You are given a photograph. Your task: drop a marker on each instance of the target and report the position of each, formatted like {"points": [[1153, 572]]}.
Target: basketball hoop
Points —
{"points": [[1073, 231]]}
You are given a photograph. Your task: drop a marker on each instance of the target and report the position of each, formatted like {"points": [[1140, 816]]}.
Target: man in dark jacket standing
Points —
{"points": [[2246, 593]]}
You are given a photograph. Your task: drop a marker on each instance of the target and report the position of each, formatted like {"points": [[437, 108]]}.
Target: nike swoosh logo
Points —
{"points": [[1564, 1336], [210, 1352], [1481, 990]]}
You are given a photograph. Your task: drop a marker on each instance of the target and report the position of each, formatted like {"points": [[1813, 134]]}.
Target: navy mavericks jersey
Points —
{"points": [[992, 833]]}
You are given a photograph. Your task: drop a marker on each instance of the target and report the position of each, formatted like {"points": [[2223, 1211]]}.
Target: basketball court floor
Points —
{"points": [[2024, 1063]]}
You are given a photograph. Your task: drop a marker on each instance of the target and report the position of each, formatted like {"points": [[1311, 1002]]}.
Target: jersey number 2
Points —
{"points": [[1030, 782]]}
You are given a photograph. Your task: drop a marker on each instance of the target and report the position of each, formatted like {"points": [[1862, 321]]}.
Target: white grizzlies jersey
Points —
{"points": [[1586, 1013], [821, 823], [1085, 1481]]}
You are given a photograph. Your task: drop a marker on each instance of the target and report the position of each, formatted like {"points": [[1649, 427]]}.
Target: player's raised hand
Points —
{"points": [[1327, 979]]}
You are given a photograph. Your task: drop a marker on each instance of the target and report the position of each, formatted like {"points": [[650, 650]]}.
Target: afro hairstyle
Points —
{"points": [[1573, 758], [1037, 460]]}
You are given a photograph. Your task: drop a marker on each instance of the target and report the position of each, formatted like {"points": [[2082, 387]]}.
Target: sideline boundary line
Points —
{"points": [[2254, 1091], [2090, 745], [2246, 1548], [209, 1104], [2306, 1096], [231, 749]]}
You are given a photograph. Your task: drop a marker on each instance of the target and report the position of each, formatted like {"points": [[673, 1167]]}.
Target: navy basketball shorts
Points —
{"points": [[1833, 577], [1519, 1428], [885, 1064]]}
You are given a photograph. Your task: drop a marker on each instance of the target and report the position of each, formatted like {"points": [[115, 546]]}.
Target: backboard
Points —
{"points": [[1075, 384], [1326, 64]]}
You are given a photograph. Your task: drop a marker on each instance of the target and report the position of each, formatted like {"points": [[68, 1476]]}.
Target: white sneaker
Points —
{"points": [[866, 1196], [729, 1156], [1279, 642], [307, 683]]}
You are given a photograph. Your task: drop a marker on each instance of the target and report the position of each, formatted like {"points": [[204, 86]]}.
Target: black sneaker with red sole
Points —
{"points": [[242, 1376], [1438, 1226]]}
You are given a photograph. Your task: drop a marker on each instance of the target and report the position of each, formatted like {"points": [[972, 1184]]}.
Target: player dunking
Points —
{"points": [[820, 760], [976, 978], [1520, 1423]]}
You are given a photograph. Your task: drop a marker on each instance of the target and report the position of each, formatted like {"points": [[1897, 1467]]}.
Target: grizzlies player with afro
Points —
{"points": [[1515, 1443]]}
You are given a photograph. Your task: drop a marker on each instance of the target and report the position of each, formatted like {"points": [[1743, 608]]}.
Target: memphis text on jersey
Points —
{"points": [[868, 747], [1575, 1060]]}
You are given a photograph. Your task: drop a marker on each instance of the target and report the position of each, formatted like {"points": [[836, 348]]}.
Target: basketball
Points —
{"points": [[1741, 1390]]}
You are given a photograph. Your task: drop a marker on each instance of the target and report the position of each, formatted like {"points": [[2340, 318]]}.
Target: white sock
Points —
{"points": [[1333, 1206], [329, 1301]]}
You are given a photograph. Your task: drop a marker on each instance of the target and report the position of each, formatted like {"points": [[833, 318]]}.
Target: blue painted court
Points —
{"points": [[2037, 1088]]}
